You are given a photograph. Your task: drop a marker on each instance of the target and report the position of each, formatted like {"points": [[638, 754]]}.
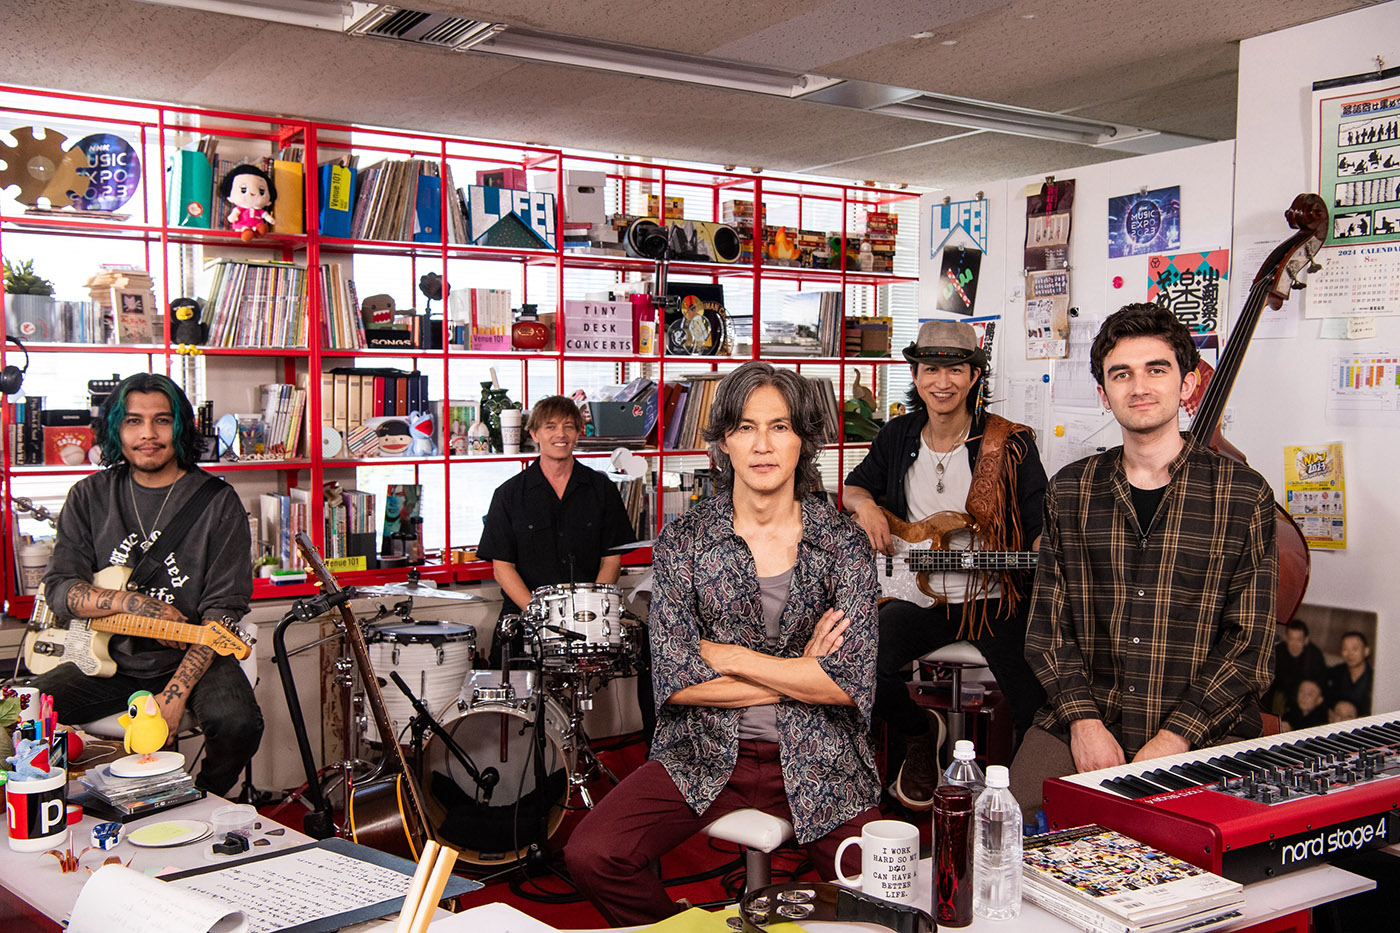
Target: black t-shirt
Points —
{"points": [[551, 539]]}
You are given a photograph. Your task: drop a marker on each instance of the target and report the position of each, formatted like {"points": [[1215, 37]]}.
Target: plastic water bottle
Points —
{"points": [[996, 850], [963, 770]]}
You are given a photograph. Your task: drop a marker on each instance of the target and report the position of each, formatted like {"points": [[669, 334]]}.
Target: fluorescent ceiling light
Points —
{"points": [[557, 48], [317, 14]]}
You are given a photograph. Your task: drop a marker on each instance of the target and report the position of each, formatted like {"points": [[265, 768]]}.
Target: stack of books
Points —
{"points": [[880, 232], [129, 798], [1104, 882]]}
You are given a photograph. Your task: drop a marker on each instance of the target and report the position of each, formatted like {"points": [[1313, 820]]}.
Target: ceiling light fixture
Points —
{"points": [[560, 49], [317, 14]]}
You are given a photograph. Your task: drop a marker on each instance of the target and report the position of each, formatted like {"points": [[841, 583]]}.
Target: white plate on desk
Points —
{"points": [[168, 833]]}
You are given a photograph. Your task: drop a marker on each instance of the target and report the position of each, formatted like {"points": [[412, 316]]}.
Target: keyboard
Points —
{"points": [[1253, 809]]}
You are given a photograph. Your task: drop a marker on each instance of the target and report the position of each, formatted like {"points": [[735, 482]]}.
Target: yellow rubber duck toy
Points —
{"points": [[146, 730]]}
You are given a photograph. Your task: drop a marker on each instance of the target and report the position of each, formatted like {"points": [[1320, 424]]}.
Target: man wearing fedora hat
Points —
{"points": [[947, 454]]}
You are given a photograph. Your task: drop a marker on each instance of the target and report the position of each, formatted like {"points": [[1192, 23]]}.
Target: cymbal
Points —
{"points": [[634, 545], [416, 590]]}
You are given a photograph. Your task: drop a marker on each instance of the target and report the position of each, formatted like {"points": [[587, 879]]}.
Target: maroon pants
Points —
{"points": [[611, 851]]}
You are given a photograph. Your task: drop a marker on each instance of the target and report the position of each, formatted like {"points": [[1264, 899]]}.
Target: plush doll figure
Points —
{"points": [[252, 194], [187, 332]]}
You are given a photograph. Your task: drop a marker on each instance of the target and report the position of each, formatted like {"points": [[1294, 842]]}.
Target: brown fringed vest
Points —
{"points": [[998, 527]]}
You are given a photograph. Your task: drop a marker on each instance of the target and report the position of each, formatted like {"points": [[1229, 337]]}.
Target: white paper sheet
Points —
{"points": [[298, 887], [117, 898]]}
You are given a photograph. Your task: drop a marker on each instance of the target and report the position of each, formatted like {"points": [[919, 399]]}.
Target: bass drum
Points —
{"points": [[497, 735]]}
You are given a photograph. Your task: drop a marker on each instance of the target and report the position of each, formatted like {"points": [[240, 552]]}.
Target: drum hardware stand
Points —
{"points": [[486, 779], [319, 823]]}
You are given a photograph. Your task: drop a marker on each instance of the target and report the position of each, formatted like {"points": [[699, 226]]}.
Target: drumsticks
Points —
{"points": [[434, 868]]}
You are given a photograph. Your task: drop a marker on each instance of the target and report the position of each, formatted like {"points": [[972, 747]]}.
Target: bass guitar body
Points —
{"points": [[921, 550]]}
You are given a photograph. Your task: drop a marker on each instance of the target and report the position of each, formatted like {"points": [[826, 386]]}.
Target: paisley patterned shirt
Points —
{"points": [[707, 587]]}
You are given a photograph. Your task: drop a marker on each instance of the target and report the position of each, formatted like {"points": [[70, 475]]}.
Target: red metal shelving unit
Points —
{"points": [[155, 126]]}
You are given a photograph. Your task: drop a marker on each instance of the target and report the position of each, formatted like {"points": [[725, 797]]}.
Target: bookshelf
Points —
{"points": [[547, 277]]}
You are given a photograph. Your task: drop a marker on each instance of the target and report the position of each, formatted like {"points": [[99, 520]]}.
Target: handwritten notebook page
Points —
{"points": [[117, 898], [298, 887]]}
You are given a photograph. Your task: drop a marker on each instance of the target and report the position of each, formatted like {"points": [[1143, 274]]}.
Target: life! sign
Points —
{"points": [[598, 327]]}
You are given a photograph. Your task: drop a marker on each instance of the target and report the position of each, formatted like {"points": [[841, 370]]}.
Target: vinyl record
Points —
{"points": [[331, 442]]}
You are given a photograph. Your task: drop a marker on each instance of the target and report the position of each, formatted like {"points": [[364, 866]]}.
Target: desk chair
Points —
{"points": [[758, 834]]}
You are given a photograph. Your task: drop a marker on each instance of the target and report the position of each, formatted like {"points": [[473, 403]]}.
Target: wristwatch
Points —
{"points": [[797, 901]]}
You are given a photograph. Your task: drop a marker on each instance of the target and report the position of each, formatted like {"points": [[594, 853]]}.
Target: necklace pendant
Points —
{"points": [[939, 487]]}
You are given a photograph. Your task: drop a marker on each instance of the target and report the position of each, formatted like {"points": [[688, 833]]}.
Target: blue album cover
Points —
{"points": [[1148, 222]]}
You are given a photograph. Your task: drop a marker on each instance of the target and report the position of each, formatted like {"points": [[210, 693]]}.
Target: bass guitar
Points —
{"points": [[384, 812], [84, 642], [921, 549]]}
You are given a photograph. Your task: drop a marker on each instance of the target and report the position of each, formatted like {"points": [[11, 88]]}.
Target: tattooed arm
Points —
{"points": [[177, 691], [86, 601]]}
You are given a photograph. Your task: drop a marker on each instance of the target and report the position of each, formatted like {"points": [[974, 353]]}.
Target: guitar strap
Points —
{"points": [[993, 486], [152, 562]]}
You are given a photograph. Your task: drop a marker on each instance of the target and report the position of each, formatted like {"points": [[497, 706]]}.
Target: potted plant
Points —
{"points": [[28, 302]]}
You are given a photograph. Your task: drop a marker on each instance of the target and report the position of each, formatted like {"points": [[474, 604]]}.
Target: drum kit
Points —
{"points": [[499, 754]]}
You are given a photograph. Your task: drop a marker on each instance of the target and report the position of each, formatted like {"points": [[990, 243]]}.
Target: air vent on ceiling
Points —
{"points": [[440, 30]]}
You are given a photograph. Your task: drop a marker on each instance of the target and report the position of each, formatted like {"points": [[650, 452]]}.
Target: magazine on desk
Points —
{"points": [[1098, 873]]}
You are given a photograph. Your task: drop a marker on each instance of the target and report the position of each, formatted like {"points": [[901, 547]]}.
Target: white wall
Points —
{"points": [[1279, 399], [1205, 174]]}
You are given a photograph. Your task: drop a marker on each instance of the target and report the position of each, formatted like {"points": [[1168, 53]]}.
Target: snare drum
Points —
{"points": [[495, 736], [590, 612], [433, 658]]}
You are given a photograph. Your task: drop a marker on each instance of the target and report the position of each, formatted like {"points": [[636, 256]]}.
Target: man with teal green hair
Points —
{"points": [[150, 489]]}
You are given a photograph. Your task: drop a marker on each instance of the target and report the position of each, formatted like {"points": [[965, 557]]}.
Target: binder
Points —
{"points": [[427, 218], [189, 201], [337, 198], [288, 212]]}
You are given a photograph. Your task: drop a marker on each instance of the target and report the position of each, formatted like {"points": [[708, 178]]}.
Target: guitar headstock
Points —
{"points": [[225, 642], [314, 562]]}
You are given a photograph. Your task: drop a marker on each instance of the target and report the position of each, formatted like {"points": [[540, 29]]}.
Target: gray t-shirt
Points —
{"points": [[209, 575], [760, 723]]}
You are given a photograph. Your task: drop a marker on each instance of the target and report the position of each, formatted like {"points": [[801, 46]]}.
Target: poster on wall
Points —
{"points": [[1047, 270], [1316, 493], [1364, 389], [1193, 286], [966, 220], [1047, 315], [1048, 226], [1144, 222], [957, 279], [1356, 141]]}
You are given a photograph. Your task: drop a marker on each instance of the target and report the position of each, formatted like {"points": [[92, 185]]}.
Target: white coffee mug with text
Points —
{"points": [[889, 863]]}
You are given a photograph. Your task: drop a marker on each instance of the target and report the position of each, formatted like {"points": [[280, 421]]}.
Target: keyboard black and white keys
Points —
{"points": [[1253, 809]]}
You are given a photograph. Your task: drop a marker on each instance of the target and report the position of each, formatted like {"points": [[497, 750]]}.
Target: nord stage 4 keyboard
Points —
{"points": [[1253, 809]]}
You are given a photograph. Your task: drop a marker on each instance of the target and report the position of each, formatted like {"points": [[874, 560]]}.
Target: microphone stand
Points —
{"points": [[319, 823], [485, 780]]}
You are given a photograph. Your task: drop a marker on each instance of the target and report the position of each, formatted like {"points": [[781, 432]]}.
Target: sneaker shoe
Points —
{"points": [[918, 776]]}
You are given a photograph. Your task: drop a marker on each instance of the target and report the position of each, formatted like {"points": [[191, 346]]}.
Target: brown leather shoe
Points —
{"points": [[918, 777]]}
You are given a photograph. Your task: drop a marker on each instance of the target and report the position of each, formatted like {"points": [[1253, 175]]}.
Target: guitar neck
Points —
{"points": [[144, 626], [930, 561]]}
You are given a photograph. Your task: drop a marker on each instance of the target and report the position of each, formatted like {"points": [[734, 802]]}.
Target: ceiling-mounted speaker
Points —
{"points": [[683, 240]]}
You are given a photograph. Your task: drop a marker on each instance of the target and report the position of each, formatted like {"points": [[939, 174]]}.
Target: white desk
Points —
{"points": [[1263, 901], [35, 879]]}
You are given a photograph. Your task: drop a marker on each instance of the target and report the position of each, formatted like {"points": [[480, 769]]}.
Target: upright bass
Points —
{"points": [[1281, 273]]}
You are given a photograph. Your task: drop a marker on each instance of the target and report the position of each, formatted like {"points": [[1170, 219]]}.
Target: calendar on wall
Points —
{"points": [[1355, 280]]}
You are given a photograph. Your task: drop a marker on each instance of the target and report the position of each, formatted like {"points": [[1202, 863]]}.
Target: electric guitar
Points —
{"points": [[921, 549], [84, 642]]}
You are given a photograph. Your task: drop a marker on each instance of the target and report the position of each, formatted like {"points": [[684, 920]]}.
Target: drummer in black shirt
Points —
{"points": [[556, 522]]}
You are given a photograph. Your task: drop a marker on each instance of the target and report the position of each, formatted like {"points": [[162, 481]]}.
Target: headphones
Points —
{"points": [[12, 377]]}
